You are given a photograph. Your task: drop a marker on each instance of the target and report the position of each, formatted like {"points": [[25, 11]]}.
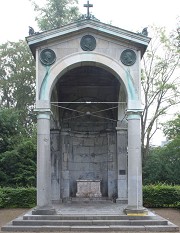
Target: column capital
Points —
{"points": [[40, 110], [43, 113], [134, 113]]}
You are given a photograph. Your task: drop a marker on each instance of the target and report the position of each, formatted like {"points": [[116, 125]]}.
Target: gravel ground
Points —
{"points": [[172, 215]]}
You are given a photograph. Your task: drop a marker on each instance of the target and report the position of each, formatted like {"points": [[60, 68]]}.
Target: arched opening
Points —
{"points": [[85, 109]]}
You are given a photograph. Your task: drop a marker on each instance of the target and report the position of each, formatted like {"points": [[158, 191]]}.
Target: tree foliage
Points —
{"points": [[172, 128], [163, 163], [17, 151], [17, 120], [10, 129], [159, 83], [56, 13], [17, 79], [18, 166]]}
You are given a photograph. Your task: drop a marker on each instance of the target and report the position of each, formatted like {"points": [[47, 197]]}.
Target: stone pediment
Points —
{"points": [[107, 31]]}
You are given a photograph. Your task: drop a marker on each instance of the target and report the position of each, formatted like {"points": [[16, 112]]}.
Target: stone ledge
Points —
{"points": [[44, 211]]}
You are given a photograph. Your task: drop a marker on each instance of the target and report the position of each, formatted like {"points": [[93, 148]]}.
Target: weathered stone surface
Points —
{"points": [[88, 188]]}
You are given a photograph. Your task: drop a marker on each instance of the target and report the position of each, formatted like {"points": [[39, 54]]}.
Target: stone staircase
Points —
{"points": [[91, 222]]}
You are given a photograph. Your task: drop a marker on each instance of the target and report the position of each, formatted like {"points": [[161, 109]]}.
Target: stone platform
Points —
{"points": [[88, 216]]}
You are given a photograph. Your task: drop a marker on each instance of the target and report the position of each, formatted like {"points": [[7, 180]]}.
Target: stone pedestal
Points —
{"points": [[88, 188]]}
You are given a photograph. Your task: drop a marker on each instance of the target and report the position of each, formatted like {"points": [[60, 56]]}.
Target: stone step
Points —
{"points": [[167, 228], [88, 217], [91, 199], [91, 223], [88, 222]]}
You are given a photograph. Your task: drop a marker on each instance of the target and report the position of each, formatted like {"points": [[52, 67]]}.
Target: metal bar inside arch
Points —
{"points": [[89, 102]]}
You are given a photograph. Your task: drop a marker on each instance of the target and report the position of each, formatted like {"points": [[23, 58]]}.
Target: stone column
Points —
{"points": [[122, 165], [135, 200], [44, 206]]}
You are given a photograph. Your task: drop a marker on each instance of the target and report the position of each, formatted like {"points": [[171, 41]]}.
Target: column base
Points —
{"points": [[46, 210], [134, 211]]}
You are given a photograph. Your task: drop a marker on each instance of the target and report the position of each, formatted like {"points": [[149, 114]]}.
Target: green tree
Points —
{"points": [[10, 129], [56, 13], [163, 163], [18, 166], [17, 79], [159, 83], [17, 151], [172, 128]]}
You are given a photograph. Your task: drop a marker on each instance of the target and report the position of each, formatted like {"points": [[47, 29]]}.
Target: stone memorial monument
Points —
{"points": [[88, 105]]}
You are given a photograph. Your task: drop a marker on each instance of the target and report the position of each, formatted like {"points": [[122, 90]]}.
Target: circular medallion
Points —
{"points": [[88, 43], [128, 57], [47, 57]]}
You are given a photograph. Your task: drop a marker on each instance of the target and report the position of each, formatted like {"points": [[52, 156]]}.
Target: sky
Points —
{"points": [[133, 15]]}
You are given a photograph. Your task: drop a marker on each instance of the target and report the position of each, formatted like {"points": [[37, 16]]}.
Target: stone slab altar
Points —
{"points": [[88, 188]]}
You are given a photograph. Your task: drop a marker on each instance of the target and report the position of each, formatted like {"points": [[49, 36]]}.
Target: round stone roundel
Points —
{"points": [[128, 57], [47, 57], [88, 43]]}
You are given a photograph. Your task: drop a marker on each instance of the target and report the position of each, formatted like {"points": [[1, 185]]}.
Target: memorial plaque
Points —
{"points": [[128, 57], [47, 57], [88, 43]]}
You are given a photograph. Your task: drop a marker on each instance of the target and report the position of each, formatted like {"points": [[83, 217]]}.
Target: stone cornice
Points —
{"points": [[138, 40]]}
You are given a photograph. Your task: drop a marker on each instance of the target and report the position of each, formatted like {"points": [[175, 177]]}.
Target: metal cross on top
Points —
{"points": [[88, 6]]}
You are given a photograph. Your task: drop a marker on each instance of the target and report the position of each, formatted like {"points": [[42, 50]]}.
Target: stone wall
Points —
{"points": [[80, 156], [88, 160]]}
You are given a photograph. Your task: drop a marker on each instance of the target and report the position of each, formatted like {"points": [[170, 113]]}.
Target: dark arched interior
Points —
{"points": [[84, 86], [87, 99]]}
